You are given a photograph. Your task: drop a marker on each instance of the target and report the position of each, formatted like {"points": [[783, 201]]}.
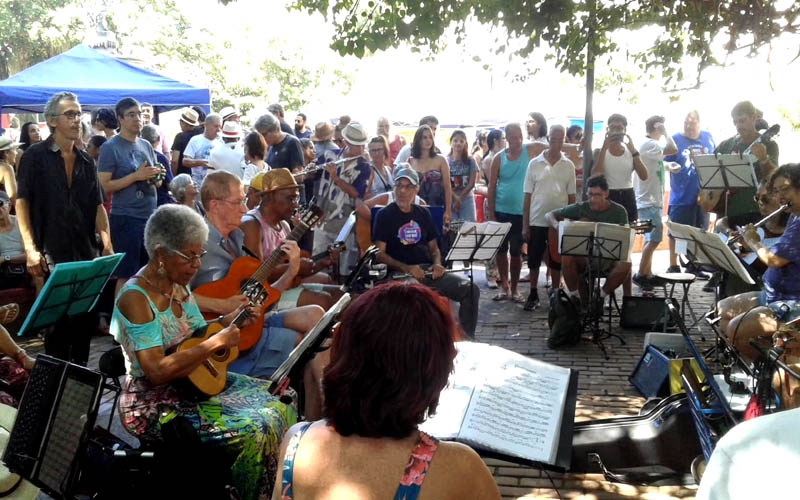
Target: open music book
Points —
{"points": [[507, 403]]}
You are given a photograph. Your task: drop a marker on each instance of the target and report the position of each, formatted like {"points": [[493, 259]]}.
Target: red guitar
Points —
{"points": [[250, 277]]}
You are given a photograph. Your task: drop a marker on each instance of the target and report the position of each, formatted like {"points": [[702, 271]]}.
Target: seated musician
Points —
{"points": [[266, 227], [760, 314], [156, 311], [406, 238], [223, 199], [14, 361], [598, 208]]}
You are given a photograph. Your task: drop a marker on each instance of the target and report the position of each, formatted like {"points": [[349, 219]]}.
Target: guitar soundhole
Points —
{"points": [[253, 290], [220, 355]]}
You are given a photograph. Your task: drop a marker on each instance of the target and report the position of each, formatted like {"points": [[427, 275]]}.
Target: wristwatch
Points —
{"points": [[6, 258]]}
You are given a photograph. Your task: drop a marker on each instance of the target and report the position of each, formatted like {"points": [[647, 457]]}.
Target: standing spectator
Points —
{"points": [[29, 134], [463, 176], [536, 127], [506, 181], [60, 215], [684, 185], [104, 122], [300, 129], [147, 120], [650, 195], [434, 174], [575, 155], [380, 180], [277, 110], [199, 148], [189, 128], [255, 150], [229, 114], [8, 181], [549, 185], [228, 156], [617, 160], [405, 152], [395, 143], [128, 172], [185, 192], [151, 134], [322, 139]]}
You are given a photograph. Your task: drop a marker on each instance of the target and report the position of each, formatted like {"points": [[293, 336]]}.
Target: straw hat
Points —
{"points": [[190, 117], [231, 130], [7, 143], [354, 134], [276, 179], [323, 131]]}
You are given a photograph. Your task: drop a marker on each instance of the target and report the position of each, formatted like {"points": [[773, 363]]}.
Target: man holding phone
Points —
{"points": [[617, 160], [127, 171]]}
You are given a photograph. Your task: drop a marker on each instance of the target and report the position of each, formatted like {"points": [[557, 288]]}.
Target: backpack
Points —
{"points": [[564, 321]]}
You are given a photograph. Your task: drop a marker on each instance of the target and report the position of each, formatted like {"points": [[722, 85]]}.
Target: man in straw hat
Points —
{"points": [[229, 155], [323, 139], [341, 184], [266, 228], [189, 122]]}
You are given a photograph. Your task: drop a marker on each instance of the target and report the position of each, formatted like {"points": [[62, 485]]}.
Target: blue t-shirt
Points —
{"points": [[783, 283], [121, 157], [684, 185]]}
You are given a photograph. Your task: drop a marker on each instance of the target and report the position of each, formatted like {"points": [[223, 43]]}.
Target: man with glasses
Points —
{"points": [[406, 239], [741, 209], [127, 172], [59, 211], [223, 199]]}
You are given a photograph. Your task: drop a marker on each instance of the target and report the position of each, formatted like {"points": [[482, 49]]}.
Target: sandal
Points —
{"points": [[8, 313], [500, 296], [518, 298]]}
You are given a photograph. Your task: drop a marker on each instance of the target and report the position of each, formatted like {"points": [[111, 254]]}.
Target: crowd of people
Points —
{"points": [[186, 216]]}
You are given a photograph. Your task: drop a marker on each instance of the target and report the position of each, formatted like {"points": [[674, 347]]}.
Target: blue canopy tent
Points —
{"points": [[98, 80]]}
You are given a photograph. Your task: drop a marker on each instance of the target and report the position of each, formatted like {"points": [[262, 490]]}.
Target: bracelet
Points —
{"points": [[20, 353], [635, 154]]}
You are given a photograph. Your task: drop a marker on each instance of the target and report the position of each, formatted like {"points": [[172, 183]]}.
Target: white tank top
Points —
{"points": [[619, 170]]}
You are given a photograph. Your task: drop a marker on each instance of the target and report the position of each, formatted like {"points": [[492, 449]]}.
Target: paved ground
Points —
{"points": [[603, 389]]}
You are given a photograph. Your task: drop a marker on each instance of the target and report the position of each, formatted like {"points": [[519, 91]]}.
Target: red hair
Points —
{"points": [[391, 357]]}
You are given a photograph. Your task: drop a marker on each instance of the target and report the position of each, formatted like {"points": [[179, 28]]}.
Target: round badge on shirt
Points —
{"points": [[409, 233]]}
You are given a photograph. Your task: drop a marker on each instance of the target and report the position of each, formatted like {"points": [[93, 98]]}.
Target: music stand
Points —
{"points": [[726, 172], [72, 288], [597, 242], [478, 242]]}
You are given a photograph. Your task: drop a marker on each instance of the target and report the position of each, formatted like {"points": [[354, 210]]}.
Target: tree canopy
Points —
{"points": [[687, 30]]}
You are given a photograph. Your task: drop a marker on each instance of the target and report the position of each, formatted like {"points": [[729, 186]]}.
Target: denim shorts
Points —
{"points": [[784, 310], [653, 214]]}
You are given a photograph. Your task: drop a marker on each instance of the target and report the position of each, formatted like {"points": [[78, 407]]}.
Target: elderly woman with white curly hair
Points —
{"points": [[156, 311], [185, 192]]}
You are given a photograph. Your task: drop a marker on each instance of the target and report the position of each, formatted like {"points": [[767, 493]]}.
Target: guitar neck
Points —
{"points": [[276, 257]]}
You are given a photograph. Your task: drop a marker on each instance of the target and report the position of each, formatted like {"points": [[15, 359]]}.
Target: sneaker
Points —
{"points": [[532, 302], [643, 281], [673, 269], [492, 283]]}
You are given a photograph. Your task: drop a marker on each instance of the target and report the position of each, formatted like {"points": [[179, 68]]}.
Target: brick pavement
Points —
{"points": [[603, 388]]}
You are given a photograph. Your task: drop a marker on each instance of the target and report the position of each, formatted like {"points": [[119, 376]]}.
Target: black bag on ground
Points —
{"points": [[564, 321]]}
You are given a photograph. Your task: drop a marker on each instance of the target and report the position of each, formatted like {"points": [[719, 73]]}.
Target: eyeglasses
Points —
{"points": [[130, 115], [70, 115], [763, 199], [189, 259]]}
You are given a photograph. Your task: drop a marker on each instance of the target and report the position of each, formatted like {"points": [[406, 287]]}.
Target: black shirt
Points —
{"points": [[62, 218], [286, 154], [285, 127], [179, 144], [406, 234]]}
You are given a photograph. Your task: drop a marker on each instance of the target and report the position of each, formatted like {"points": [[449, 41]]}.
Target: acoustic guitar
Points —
{"points": [[249, 276], [209, 377]]}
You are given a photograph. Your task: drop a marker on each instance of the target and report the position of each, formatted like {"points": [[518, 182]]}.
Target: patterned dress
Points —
{"points": [[244, 419]]}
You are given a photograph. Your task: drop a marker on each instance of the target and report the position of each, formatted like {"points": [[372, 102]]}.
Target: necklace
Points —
{"points": [[168, 296]]}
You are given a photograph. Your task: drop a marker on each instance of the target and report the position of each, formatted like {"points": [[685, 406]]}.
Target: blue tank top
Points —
{"points": [[508, 195]]}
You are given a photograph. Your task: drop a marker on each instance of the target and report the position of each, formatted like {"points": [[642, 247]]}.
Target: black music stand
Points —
{"points": [[598, 243], [725, 172], [477, 242]]}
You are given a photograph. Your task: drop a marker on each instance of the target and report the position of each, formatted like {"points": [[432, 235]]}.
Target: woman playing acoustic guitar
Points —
{"points": [[154, 313]]}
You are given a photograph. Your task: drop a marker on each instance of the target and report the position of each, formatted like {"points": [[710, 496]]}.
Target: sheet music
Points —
{"points": [[516, 409], [707, 248], [738, 171], [612, 241]]}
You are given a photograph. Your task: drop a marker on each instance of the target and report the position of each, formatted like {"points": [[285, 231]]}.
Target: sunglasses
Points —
{"points": [[763, 199]]}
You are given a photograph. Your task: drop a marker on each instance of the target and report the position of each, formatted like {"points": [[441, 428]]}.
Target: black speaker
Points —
{"points": [[55, 418], [644, 313]]}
